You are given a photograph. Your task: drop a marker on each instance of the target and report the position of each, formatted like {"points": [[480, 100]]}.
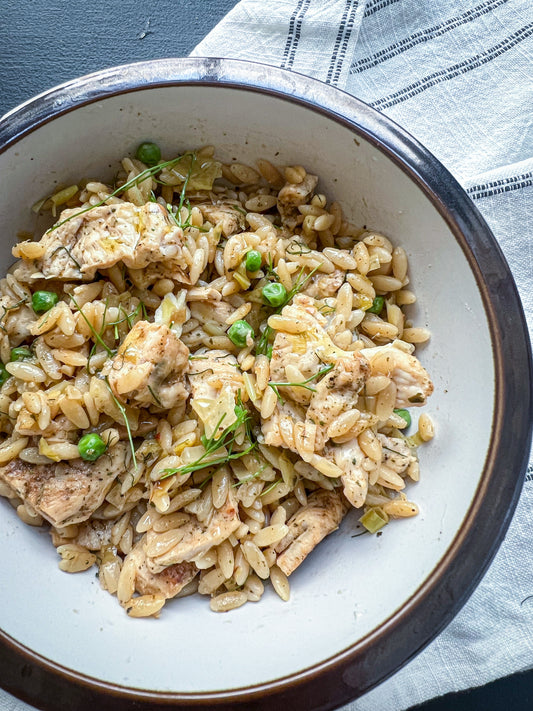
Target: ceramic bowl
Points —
{"points": [[360, 607]]}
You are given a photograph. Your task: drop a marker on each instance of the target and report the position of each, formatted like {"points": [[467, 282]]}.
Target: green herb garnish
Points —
{"points": [[262, 346], [148, 173], [303, 384], [122, 410], [212, 444]]}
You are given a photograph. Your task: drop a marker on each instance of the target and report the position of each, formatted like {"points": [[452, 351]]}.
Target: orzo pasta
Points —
{"points": [[204, 368]]}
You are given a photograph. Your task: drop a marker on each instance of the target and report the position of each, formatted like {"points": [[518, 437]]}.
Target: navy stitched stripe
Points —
{"points": [[377, 5], [338, 40], [338, 59], [504, 185], [455, 70], [294, 33], [424, 36]]}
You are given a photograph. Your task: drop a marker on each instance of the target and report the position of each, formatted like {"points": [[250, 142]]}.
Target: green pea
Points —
{"points": [[274, 294], [377, 305], [253, 260], [91, 446], [42, 301], [148, 153], [4, 375], [238, 333], [404, 414], [20, 353]]}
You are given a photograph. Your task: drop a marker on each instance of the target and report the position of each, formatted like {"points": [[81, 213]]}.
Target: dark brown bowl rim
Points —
{"points": [[354, 671]]}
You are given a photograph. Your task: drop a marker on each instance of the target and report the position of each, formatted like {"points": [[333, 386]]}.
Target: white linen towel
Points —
{"points": [[458, 75]]}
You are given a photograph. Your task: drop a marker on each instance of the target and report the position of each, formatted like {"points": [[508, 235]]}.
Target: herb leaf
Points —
{"points": [[212, 444], [147, 173], [303, 384]]}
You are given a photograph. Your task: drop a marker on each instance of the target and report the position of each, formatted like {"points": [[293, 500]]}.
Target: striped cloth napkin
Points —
{"points": [[458, 75]]}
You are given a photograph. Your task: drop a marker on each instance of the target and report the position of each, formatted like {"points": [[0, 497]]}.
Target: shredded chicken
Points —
{"points": [[322, 515], [149, 367], [291, 196], [106, 235], [413, 384], [225, 215], [169, 582], [321, 286], [349, 457], [310, 352], [396, 453], [336, 393], [198, 539], [16, 321], [67, 492]]}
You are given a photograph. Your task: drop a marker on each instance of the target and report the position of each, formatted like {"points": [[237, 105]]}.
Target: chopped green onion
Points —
{"points": [[20, 353], [91, 446], [274, 294], [148, 153], [374, 519], [404, 414], [43, 301], [238, 333], [253, 261], [377, 305]]}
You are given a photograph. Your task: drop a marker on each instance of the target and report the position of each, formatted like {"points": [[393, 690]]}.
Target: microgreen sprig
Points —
{"points": [[122, 411], [147, 173], [211, 444], [303, 384]]}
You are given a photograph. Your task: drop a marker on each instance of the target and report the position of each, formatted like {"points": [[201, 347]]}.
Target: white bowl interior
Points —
{"points": [[348, 586]]}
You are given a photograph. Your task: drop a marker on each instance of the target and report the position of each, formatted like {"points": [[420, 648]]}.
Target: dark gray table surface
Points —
{"points": [[47, 42]]}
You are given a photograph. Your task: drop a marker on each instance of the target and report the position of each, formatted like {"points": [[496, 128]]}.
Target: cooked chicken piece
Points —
{"points": [[396, 453], [209, 370], [149, 367], [164, 269], [278, 430], [211, 310], [169, 582], [68, 492], [320, 286], [349, 457], [322, 515], [106, 235], [16, 320], [94, 534], [225, 215], [293, 194], [198, 539], [309, 352], [337, 392], [413, 384]]}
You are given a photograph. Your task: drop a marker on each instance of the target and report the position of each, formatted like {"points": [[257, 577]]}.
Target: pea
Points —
{"points": [[42, 301], [148, 153], [377, 305], [253, 260], [91, 446], [274, 294], [20, 353], [4, 375], [238, 333], [404, 414]]}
